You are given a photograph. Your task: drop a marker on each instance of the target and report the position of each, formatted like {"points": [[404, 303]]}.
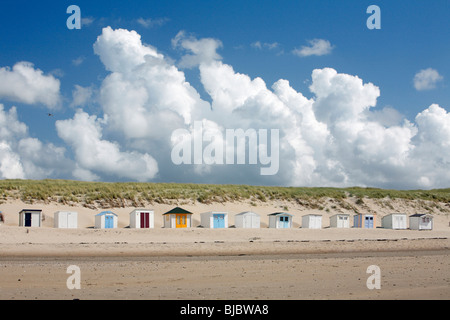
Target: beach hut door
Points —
{"points": [[399, 222], [109, 224], [425, 222], [145, 220], [63, 218], [181, 221], [219, 220], [368, 222], [284, 222], [342, 222], [27, 219]]}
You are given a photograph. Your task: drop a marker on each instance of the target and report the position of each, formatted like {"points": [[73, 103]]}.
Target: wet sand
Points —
{"points": [[410, 269]]}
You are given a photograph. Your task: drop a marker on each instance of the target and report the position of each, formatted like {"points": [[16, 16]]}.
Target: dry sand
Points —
{"points": [[232, 263]]}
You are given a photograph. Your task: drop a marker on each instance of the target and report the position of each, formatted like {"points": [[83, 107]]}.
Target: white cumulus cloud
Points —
{"points": [[95, 154], [25, 84], [25, 157]]}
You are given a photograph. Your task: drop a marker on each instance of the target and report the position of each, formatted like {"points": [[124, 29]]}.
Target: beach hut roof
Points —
{"points": [[106, 212], [280, 213], [177, 210], [420, 214], [38, 210], [247, 212]]}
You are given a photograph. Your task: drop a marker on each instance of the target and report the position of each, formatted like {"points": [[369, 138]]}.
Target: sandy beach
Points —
{"points": [[198, 263]]}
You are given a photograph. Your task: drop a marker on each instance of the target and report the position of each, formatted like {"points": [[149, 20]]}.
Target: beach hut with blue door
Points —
{"points": [[280, 220], [214, 220], [366, 221], [106, 220]]}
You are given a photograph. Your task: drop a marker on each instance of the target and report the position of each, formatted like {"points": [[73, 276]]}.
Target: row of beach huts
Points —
{"points": [[181, 218]]}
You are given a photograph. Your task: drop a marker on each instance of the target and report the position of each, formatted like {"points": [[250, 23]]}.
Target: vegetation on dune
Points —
{"points": [[117, 194]]}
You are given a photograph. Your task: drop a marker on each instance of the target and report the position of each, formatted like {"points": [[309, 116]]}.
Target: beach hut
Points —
{"points": [[394, 221], [280, 220], [312, 221], [142, 219], [247, 219], [421, 221], [106, 220], [214, 220], [65, 219], [177, 218], [366, 221], [340, 220], [30, 218]]}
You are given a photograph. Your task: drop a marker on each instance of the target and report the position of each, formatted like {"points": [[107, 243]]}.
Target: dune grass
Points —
{"points": [[68, 191]]}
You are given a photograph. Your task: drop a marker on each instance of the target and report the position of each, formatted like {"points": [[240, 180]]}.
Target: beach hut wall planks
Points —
{"points": [[280, 220], [30, 218], [421, 221], [142, 219], [106, 220], [214, 220], [65, 219], [177, 218], [394, 221], [312, 221], [366, 221], [247, 219], [340, 220]]}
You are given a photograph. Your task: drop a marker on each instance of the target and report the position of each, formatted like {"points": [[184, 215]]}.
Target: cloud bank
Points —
{"points": [[335, 138]]}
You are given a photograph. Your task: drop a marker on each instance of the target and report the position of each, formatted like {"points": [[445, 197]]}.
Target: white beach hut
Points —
{"points": [[394, 221], [312, 221], [340, 220], [66, 219], [214, 220], [142, 219], [106, 220], [30, 218], [247, 219], [421, 221], [280, 220]]}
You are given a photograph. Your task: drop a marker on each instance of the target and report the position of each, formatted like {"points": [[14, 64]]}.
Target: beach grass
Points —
{"points": [[69, 191]]}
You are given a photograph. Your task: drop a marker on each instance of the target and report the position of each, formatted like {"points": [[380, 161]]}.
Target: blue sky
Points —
{"points": [[257, 39]]}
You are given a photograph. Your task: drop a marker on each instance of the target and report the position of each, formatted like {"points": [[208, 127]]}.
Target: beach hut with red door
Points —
{"points": [[142, 219]]}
